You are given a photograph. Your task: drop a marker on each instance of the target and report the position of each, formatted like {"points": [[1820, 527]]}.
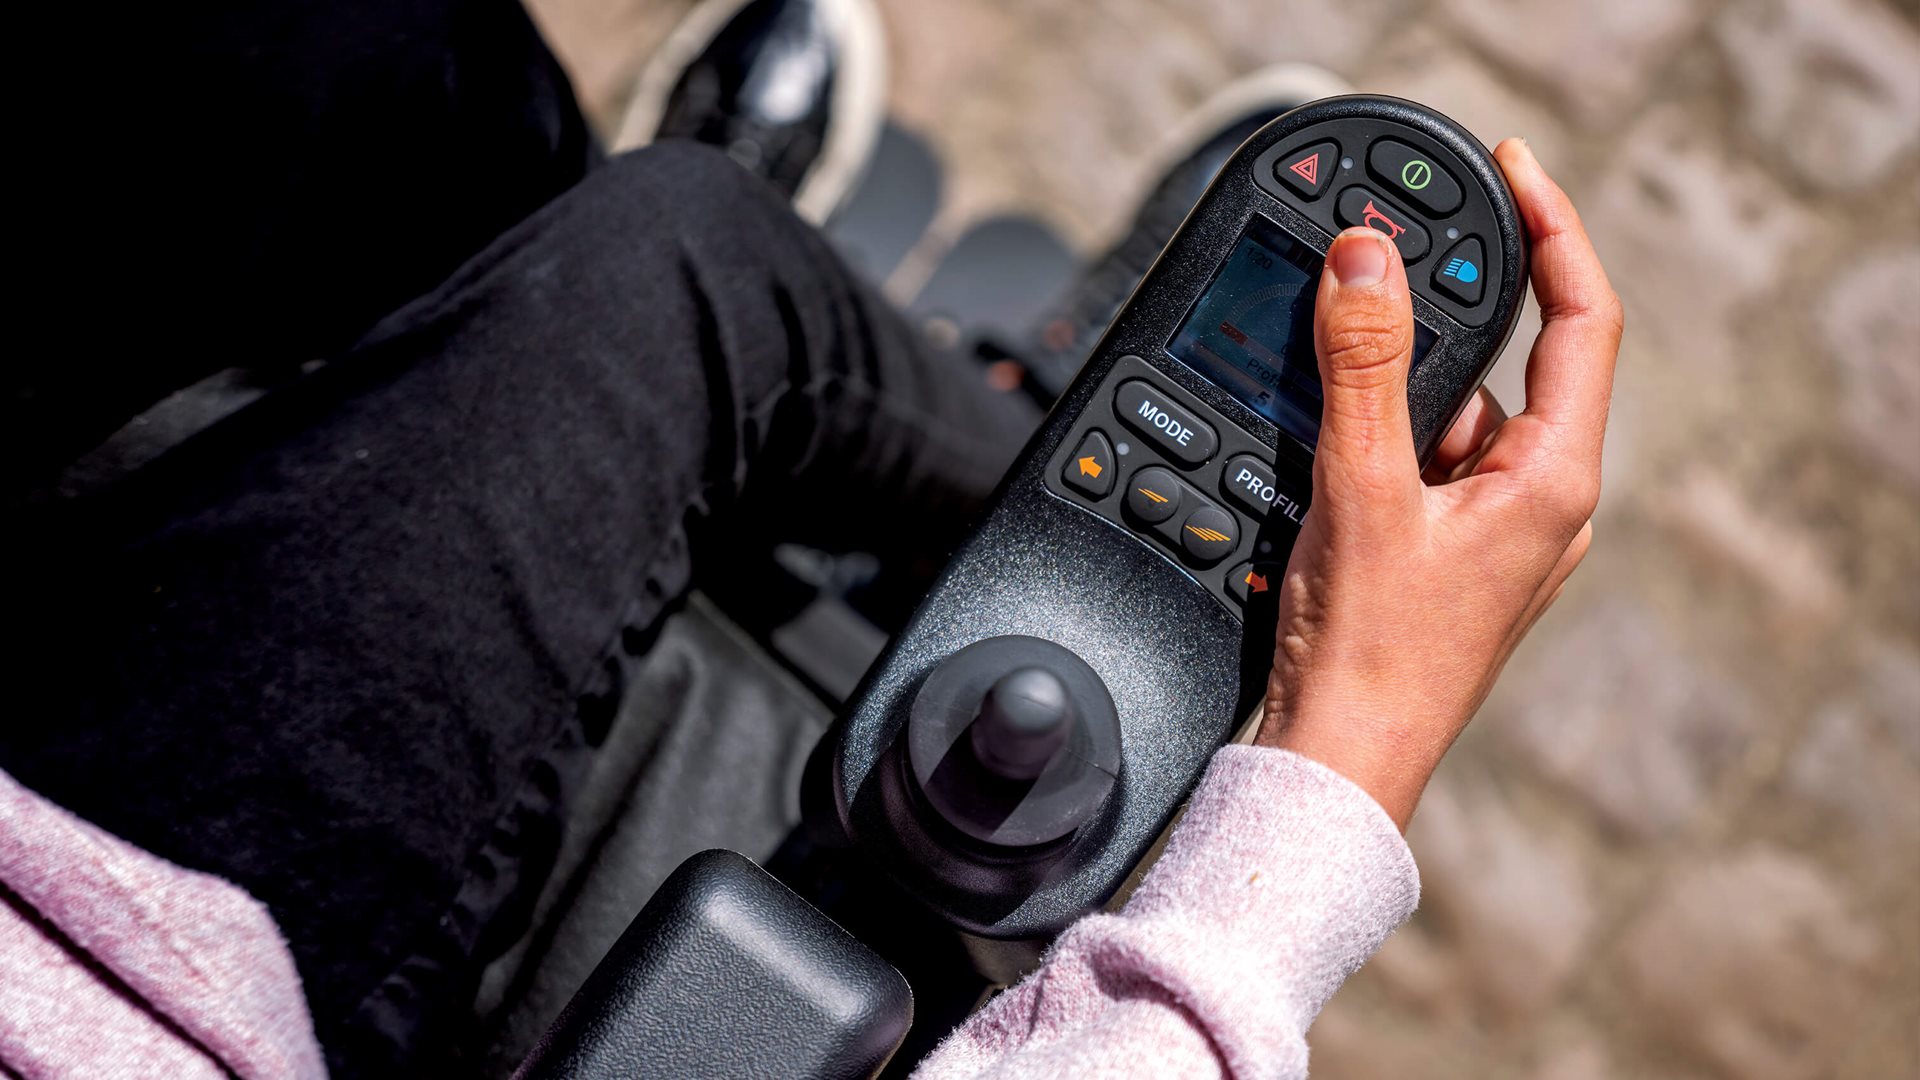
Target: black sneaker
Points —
{"points": [[794, 90], [1195, 152]]}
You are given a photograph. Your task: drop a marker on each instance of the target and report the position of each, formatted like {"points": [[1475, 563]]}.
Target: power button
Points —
{"points": [[1415, 175]]}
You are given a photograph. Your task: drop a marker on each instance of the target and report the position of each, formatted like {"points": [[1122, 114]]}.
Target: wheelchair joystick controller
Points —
{"points": [[1011, 784], [1014, 742], [1006, 782]]}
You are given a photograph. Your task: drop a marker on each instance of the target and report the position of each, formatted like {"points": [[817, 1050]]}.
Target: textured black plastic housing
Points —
{"points": [[1183, 667]]}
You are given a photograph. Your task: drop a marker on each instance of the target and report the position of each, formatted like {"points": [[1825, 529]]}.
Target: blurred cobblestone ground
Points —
{"points": [[1683, 839]]}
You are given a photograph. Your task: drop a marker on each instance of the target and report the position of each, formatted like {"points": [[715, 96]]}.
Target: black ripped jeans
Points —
{"points": [[348, 646]]}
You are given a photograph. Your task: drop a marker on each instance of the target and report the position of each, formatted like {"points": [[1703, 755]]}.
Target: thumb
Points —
{"points": [[1363, 332]]}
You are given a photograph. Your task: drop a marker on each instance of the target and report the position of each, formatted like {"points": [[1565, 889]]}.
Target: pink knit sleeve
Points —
{"points": [[115, 962], [1281, 880]]}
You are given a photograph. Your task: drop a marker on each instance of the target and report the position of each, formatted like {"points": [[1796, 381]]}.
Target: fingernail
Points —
{"points": [[1359, 257]]}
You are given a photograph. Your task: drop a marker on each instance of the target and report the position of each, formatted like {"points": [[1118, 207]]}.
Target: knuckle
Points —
{"points": [[1364, 350], [1563, 500], [1582, 540], [1577, 500], [1613, 315], [1582, 543]]}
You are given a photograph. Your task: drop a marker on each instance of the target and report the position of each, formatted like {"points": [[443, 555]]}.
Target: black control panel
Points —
{"points": [[1406, 184], [1184, 479], [1022, 742]]}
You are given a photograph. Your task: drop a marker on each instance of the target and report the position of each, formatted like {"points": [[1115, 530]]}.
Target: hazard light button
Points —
{"points": [[1309, 172]]}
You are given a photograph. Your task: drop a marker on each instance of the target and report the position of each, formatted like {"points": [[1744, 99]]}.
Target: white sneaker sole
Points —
{"points": [[859, 95]]}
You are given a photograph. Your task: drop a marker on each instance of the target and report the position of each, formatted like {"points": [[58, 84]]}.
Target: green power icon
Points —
{"points": [[1416, 174]]}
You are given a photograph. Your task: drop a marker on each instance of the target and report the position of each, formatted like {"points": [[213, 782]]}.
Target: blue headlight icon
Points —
{"points": [[1461, 270]]}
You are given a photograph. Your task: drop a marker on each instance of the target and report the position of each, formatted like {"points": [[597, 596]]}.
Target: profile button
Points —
{"points": [[1185, 437], [1415, 175], [1153, 495], [1209, 534], [1359, 206], [1250, 482]]}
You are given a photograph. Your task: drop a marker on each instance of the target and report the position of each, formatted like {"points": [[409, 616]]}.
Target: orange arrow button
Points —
{"points": [[1090, 471], [1256, 582]]}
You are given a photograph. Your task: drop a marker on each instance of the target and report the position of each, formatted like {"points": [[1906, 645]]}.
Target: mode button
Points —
{"points": [[1183, 436]]}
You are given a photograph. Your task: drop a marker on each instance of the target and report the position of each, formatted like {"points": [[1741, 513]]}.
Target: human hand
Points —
{"points": [[1405, 594]]}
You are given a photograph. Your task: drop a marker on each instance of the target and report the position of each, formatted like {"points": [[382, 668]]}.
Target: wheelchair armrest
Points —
{"points": [[728, 973]]}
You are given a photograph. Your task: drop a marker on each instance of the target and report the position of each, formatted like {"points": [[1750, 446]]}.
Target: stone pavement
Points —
{"points": [[1683, 838]]}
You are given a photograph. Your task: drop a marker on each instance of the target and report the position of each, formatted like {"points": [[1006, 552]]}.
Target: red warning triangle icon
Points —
{"points": [[1309, 168]]}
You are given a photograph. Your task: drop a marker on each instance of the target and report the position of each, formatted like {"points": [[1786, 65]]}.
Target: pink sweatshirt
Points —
{"points": [[116, 963], [1282, 879]]}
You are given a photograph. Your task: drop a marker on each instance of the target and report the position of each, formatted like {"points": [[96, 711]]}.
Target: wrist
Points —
{"points": [[1368, 749]]}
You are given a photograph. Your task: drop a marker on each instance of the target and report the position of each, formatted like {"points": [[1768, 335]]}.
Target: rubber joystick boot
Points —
{"points": [[1014, 741]]}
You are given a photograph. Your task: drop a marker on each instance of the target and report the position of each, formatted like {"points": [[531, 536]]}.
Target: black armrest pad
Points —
{"points": [[727, 973]]}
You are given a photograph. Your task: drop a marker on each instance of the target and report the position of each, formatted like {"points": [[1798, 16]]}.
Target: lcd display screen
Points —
{"points": [[1251, 331]]}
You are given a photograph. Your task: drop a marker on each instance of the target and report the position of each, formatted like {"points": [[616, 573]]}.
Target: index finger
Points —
{"points": [[1570, 371]]}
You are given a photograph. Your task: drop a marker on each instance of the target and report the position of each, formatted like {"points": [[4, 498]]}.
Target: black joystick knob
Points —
{"points": [[1014, 741], [1024, 721]]}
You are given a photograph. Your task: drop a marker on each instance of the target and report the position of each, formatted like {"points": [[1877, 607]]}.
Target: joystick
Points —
{"points": [[1013, 742], [1023, 723]]}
